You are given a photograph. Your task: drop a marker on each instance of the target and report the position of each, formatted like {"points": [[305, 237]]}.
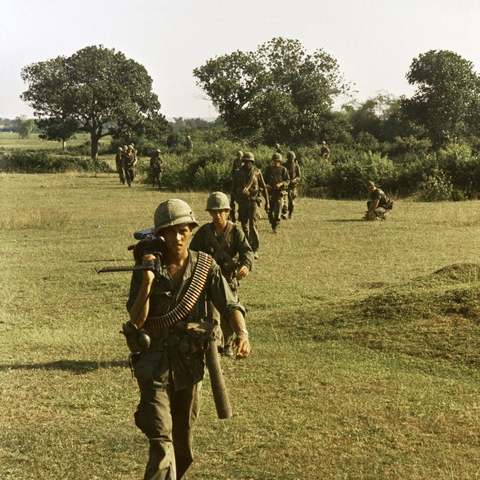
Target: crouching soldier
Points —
{"points": [[378, 204]]}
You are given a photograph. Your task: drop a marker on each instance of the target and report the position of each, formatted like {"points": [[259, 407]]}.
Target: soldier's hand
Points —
{"points": [[242, 271], [242, 344], [148, 261]]}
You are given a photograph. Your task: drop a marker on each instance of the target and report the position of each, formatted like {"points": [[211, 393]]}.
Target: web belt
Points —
{"points": [[191, 296]]}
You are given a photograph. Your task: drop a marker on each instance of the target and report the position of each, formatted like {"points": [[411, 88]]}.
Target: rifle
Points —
{"points": [[156, 245]]}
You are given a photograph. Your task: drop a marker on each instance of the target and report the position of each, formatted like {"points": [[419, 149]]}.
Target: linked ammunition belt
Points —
{"points": [[191, 296]]}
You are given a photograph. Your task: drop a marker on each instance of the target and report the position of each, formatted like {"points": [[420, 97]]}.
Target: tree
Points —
{"points": [[448, 92], [24, 126], [93, 88], [280, 94]]}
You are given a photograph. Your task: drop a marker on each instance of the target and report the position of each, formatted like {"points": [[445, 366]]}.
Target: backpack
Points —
{"points": [[388, 203]]}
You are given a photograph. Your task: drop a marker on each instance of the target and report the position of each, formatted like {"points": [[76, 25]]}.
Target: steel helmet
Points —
{"points": [[290, 156], [276, 157], [248, 157], [218, 201], [173, 212]]}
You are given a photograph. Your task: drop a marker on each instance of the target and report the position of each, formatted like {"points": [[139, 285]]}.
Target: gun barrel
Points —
{"points": [[219, 389], [123, 269]]}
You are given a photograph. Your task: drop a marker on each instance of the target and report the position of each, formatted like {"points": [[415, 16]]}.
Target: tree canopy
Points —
{"points": [[278, 93], [96, 90], [447, 97]]}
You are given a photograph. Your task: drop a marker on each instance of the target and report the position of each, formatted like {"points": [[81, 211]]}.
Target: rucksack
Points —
{"points": [[388, 203]]}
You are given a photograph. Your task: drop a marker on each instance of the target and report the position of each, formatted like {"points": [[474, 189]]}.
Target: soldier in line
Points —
{"points": [[156, 167], [237, 164], [129, 164], [293, 170], [119, 165], [227, 244], [188, 144], [325, 151], [170, 370], [277, 180], [247, 186]]}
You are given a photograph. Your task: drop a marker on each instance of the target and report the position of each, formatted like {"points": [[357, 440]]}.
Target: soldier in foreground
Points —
{"points": [[277, 180], [170, 369], [156, 167], [248, 185], [228, 246], [293, 170]]}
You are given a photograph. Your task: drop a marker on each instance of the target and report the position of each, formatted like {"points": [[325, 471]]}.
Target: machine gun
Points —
{"points": [[149, 244]]}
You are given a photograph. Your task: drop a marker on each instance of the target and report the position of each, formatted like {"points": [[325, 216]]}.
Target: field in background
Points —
{"points": [[9, 140], [365, 340]]}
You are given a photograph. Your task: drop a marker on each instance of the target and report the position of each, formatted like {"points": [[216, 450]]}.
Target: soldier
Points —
{"points": [[119, 165], [325, 151], [170, 370], [188, 144], [277, 180], [248, 185], [156, 167], [293, 170], [227, 244], [377, 204], [129, 163], [237, 164]]}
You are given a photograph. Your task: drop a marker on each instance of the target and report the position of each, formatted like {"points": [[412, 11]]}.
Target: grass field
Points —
{"points": [[365, 341], [10, 140]]}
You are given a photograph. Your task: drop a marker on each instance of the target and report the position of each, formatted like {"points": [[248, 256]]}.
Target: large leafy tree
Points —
{"points": [[279, 92], [89, 90], [447, 96]]}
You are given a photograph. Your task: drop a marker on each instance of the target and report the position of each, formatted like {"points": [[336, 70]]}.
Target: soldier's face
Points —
{"points": [[177, 238], [219, 217], [248, 165]]}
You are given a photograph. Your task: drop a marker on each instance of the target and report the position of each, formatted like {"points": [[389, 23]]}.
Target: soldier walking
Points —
{"points": [[237, 164], [227, 244], [156, 167], [248, 185], [293, 170], [277, 180]]}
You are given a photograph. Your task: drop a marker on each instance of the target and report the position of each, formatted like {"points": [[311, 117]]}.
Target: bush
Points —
{"points": [[436, 187], [40, 161]]}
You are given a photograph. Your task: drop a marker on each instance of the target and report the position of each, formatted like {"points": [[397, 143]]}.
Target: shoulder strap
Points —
{"points": [[219, 247], [191, 296]]}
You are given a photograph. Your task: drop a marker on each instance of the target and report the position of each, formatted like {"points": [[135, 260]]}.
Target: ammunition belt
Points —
{"points": [[191, 296]]}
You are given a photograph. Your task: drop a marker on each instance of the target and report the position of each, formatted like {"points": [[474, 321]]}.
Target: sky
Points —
{"points": [[373, 41]]}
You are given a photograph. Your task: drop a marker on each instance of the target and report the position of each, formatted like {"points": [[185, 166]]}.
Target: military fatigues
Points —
{"points": [[129, 160], [273, 176], [234, 244], [169, 374], [249, 202], [293, 170], [119, 166], [237, 165], [156, 166], [381, 209]]}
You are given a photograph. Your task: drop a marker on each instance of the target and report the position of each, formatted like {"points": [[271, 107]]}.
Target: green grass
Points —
{"points": [[365, 340], [10, 140]]}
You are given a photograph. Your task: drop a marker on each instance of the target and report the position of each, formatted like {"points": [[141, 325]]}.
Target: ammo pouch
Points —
{"points": [[138, 341]]}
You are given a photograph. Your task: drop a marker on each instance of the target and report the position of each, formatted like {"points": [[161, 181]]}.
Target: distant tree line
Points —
{"points": [[279, 96]]}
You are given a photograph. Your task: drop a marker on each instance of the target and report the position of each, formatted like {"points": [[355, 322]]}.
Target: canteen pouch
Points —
{"points": [[137, 340]]}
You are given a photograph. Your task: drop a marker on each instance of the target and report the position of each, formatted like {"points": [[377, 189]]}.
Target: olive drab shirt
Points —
{"points": [[243, 178], [169, 348]]}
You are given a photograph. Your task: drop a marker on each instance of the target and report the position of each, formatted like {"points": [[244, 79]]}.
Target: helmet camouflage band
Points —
{"points": [[173, 212], [218, 201], [276, 157], [248, 157], [290, 155]]}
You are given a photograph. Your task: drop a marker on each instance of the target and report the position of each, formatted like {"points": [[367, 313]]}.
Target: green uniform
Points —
{"points": [[170, 373], [230, 250], [156, 165], [273, 176], [293, 170], [249, 202]]}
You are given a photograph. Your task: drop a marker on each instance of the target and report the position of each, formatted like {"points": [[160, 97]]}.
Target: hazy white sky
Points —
{"points": [[373, 41]]}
